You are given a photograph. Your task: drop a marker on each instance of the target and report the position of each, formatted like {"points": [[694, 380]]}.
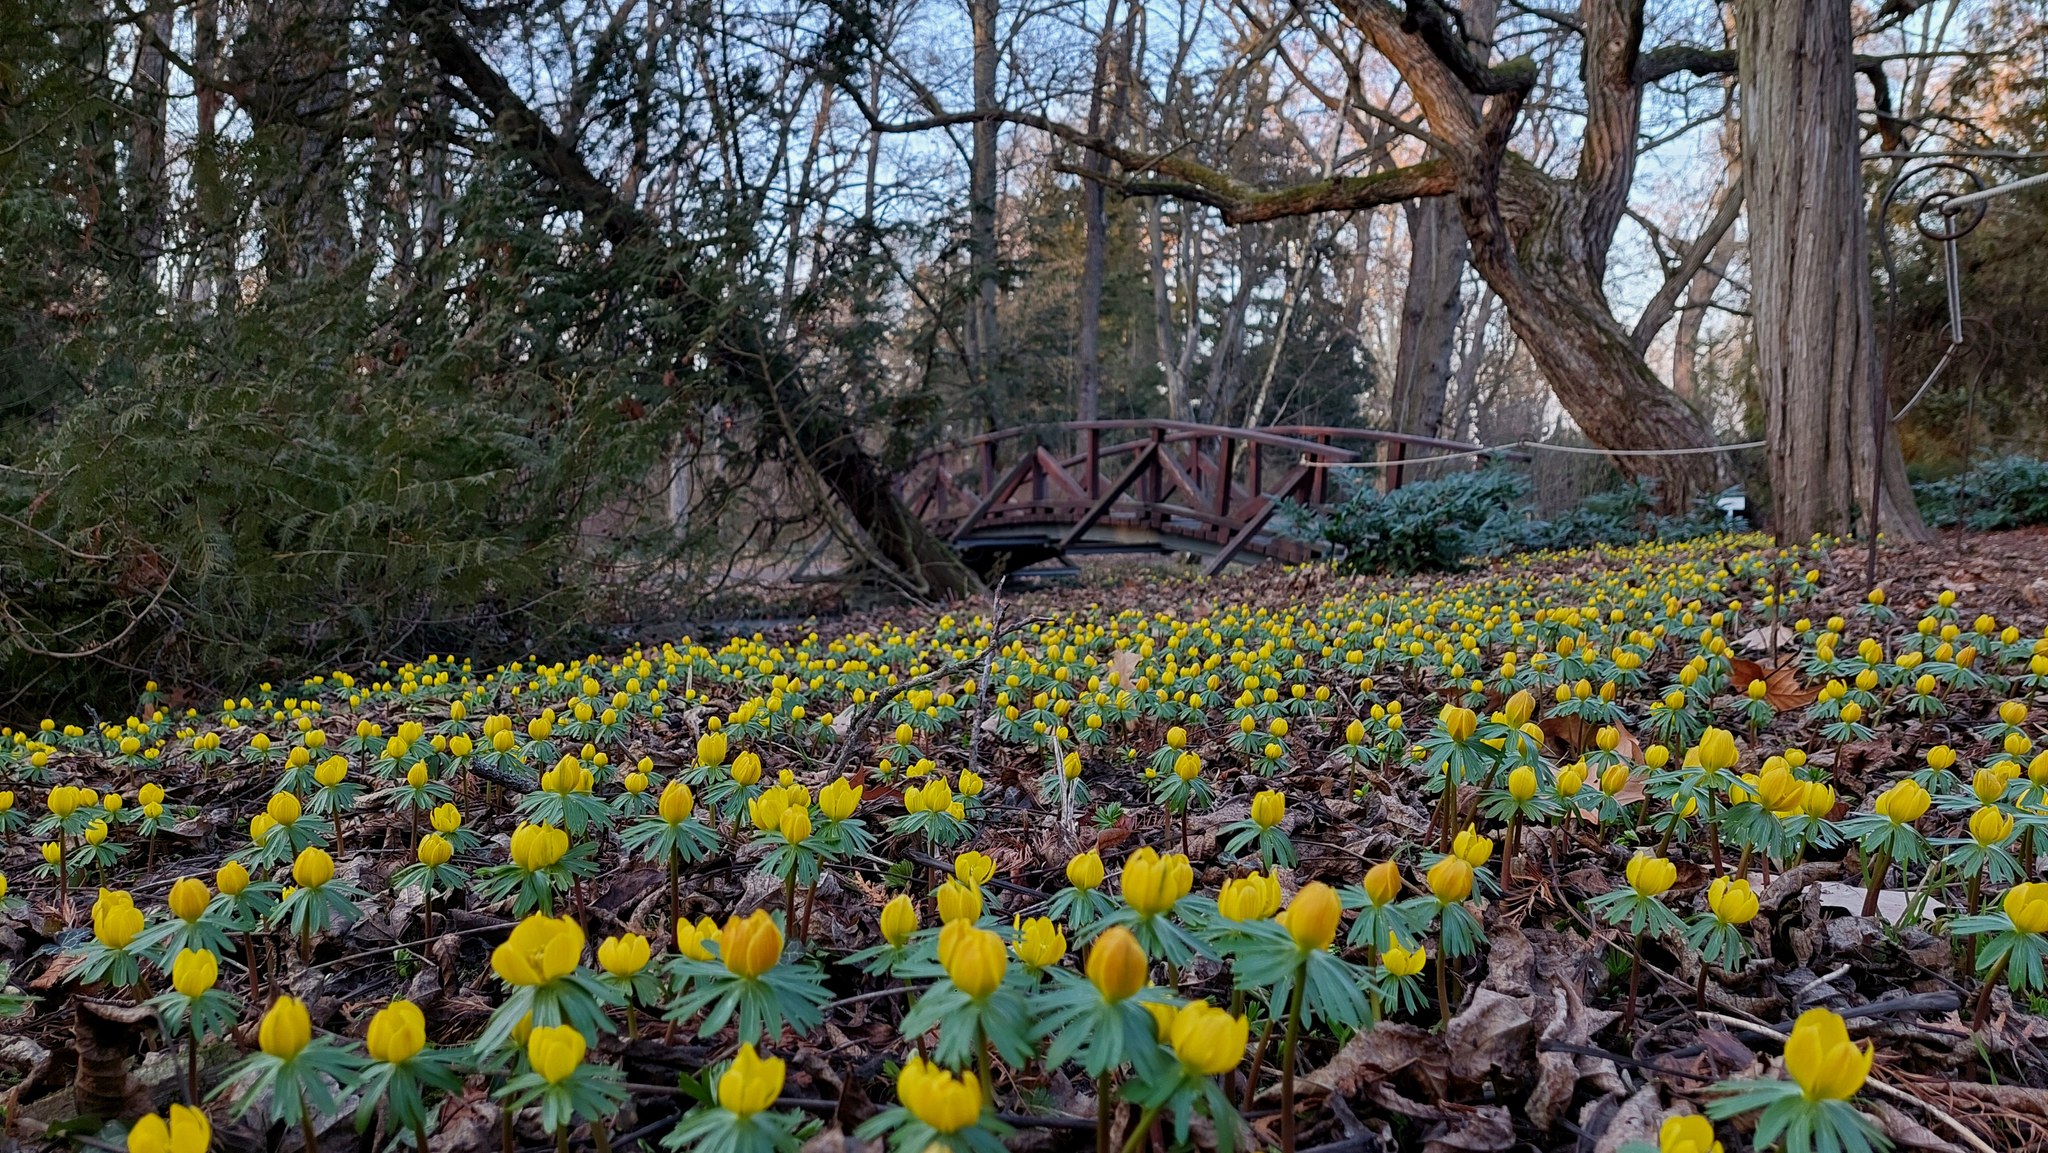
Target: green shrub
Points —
{"points": [[2009, 492], [1442, 524]]}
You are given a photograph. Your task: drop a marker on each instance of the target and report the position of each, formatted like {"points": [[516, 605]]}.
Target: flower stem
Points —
{"points": [[1251, 1081], [311, 1136], [1287, 1119], [1879, 865], [1443, 981], [1143, 1127], [985, 1064], [1102, 1112], [419, 1135], [1981, 1015], [1635, 978]]}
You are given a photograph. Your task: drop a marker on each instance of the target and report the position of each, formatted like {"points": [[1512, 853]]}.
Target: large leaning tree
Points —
{"points": [[818, 434]]}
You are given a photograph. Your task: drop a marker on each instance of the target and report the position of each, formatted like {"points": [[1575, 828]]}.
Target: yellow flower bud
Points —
{"points": [[287, 1028], [397, 1033]]}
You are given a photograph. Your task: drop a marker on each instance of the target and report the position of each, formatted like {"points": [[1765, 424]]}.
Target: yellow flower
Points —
{"points": [[188, 899], [711, 749], [96, 832], [1459, 722], [1084, 871], [795, 826], [948, 1102], [690, 939], [973, 868], [1252, 898], [1821, 1058], [973, 958], [899, 920], [1383, 883], [839, 799], [1402, 962], [751, 946], [1475, 849], [1269, 808], [1312, 917], [1690, 1133], [286, 1028], [194, 972], [331, 772], [313, 868], [1153, 884], [751, 1083], [766, 810], [746, 768], [232, 878], [1716, 750], [539, 951], [397, 1033], [1207, 1040], [284, 808], [1187, 766], [447, 818], [1732, 902], [2027, 906], [188, 1131], [1990, 827], [537, 847], [1040, 944], [1116, 964], [623, 956], [555, 1052], [1522, 784], [1450, 879], [958, 902], [1817, 799], [677, 802], [435, 851], [1903, 803], [63, 801], [1650, 876], [115, 919]]}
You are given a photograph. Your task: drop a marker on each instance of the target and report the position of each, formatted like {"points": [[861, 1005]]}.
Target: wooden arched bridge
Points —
{"points": [[1023, 495]]}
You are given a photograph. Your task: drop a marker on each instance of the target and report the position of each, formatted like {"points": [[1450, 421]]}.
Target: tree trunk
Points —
{"points": [[1810, 276], [145, 176], [1429, 315], [1087, 360], [291, 67], [816, 431], [982, 187]]}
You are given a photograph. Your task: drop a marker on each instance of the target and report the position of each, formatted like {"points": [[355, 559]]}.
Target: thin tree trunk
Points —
{"points": [[145, 175], [1809, 275], [1087, 362], [982, 186], [1429, 315]]}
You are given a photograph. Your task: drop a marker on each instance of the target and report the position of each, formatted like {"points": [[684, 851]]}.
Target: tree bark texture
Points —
{"points": [[1809, 275], [1429, 315]]}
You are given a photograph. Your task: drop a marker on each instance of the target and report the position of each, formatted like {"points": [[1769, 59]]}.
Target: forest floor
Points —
{"points": [[1543, 1041]]}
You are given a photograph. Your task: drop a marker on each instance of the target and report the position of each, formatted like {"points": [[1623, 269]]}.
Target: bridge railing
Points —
{"points": [[1206, 483]]}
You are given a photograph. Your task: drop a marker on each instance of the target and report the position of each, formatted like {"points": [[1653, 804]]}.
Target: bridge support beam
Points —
{"points": [[1147, 457]]}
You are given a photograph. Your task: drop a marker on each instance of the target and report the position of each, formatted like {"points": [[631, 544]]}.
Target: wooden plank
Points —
{"points": [[1049, 467], [996, 492], [1109, 497], [1256, 522]]}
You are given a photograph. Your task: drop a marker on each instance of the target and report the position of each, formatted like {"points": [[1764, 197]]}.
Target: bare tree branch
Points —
{"points": [[1658, 312]]}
